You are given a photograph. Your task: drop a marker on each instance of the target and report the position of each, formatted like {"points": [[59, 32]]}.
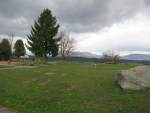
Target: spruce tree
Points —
{"points": [[42, 40], [19, 48], [5, 50]]}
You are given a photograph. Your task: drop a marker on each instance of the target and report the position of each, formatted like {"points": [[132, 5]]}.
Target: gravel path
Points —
{"points": [[6, 110], [18, 67]]}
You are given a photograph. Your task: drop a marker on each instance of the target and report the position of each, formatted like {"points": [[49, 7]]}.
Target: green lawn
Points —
{"points": [[69, 88]]}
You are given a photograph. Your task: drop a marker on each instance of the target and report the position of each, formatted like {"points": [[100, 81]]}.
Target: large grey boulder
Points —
{"points": [[137, 78]]}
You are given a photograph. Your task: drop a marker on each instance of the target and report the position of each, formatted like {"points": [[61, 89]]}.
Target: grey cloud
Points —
{"points": [[95, 14], [73, 15], [16, 16]]}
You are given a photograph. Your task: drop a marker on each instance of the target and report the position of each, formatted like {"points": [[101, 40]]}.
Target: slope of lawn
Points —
{"points": [[69, 88]]}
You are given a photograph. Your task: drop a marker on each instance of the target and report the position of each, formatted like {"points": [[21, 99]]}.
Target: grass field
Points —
{"points": [[69, 88]]}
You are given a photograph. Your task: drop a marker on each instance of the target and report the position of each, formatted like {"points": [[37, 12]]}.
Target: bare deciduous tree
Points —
{"points": [[111, 57], [11, 40], [66, 45]]}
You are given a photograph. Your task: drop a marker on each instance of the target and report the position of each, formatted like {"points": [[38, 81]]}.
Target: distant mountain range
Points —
{"points": [[85, 55], [88, 55], [144, 57]]}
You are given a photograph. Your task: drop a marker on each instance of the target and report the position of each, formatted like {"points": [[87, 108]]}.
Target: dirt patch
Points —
{"points": [[50, 73], [43, 83], [28, 82], [69, 87]]}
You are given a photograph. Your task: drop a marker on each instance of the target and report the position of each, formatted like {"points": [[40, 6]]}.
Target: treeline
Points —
{"points": [[45, 39], [8, 51]]}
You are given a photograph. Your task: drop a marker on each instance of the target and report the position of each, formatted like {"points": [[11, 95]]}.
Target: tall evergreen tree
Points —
{"points": [[5, 50], [42, 40], [19, 48]]}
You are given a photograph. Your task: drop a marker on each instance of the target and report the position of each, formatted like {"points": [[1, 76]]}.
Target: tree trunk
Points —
{"points": [[45, 58]]}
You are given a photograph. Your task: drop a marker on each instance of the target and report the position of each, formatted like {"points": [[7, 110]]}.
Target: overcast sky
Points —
{"points": [[96, 25]]}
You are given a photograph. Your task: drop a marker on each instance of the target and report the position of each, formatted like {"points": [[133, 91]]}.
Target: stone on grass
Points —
{"points": [[137, 78]]}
